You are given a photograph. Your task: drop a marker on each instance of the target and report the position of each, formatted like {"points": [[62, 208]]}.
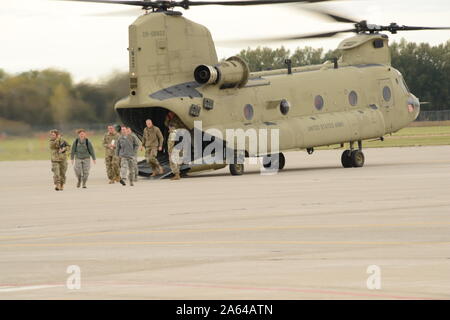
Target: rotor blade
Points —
{"points": [[330, 15], [407, 28], [246, 3], [134, 12], [256, 41], [187, 3], [318, 35], [132, 3]]}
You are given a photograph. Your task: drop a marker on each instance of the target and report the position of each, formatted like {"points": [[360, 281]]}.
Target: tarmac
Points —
{"points": [[313, 231]]}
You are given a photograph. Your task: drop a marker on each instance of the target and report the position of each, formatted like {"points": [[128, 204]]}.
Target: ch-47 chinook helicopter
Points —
{"points": [[174, 68]]}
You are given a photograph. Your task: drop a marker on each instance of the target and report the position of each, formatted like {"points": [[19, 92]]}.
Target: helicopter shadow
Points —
{"points": [[262, 173]]}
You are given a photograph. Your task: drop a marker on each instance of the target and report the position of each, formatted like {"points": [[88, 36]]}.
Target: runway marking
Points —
{"points": [[97, 284], [325, 291], [26, 288], [258, 228], [221, 242]]}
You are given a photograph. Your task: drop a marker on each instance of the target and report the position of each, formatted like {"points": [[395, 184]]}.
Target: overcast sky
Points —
{"points": [[37, 34]]}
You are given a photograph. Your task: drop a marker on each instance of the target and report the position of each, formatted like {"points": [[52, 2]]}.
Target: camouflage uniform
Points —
{"points": [[126, 149], [82, 152], [136, 142], [175, 154], [59, 161], [111, 160], [175, 122], [152, 139]]}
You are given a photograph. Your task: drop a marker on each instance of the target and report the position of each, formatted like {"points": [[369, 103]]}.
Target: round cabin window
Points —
{"points": [[353, 98], [387, 94], [284, 107], [318, 102], [248, 112]]}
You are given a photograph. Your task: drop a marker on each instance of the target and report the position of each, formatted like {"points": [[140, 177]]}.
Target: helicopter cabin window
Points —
{"points": [[353, 98], [378, 43], [387, 94], [284, 107], [248, 112], [318, 102]]}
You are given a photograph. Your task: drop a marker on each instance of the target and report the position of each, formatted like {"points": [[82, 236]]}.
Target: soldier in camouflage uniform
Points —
{"points": [[59, 151], [175, 153], [82, 152], [126, 149], [111, 160], [172, 119], [137, 143], [152, 140]]}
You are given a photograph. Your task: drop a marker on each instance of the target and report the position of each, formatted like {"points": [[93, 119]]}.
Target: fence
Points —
{"points": [[442, 115]]}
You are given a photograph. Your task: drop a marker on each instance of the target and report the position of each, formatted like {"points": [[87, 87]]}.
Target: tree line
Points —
{"points": [[50, 97]]}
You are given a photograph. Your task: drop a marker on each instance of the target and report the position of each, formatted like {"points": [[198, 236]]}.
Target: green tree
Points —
{"points": [[426, 70], [3, 74], [60, 103], [265, 58]]}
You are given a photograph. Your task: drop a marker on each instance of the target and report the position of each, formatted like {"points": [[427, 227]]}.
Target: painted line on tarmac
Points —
{"points": [[26, 288], [221, 242], [127, 285], [257, 228]]}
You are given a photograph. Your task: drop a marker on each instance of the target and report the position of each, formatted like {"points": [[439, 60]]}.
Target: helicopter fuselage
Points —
{"points": [[359, 97]]}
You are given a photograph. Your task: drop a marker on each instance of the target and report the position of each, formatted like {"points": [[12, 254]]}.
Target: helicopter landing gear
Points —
{"points": [[237, 169], [271, 162], [353, 158]]}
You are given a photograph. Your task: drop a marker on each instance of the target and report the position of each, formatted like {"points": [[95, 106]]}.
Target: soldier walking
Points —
{"points": [[152, 140], [82, 152], [58, 149], [175, 153], [136, 142], [126, 149], [172, 118], [111, 160]]}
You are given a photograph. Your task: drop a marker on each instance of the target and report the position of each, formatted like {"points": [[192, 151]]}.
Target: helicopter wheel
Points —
{"points": [[346, 159], [278, 163], [357, 157], [236, 169]]}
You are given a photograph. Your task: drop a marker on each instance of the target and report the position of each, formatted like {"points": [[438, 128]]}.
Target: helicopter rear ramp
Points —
{"points": [[145, 170]]}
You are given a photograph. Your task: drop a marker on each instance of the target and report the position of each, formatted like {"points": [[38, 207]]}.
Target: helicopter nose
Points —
{"points": [[413, 104]]}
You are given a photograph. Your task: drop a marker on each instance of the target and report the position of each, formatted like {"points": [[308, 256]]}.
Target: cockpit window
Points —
{"points": [[404, 85]]}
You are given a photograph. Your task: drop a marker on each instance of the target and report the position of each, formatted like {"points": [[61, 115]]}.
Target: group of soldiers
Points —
{"points": [[121, 152]]}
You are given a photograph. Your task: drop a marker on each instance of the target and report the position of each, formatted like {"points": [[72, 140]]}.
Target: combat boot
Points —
{"points": [[160, 169], [176, 177], [57, 187], [111, 181], [61, 187], [79, 183]]}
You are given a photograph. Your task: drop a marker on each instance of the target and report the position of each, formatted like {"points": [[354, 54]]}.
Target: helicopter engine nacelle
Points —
{"points": [[231, 73]]}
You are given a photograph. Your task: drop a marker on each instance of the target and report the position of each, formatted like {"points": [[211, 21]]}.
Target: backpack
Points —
{"points": [[87, 145]]}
